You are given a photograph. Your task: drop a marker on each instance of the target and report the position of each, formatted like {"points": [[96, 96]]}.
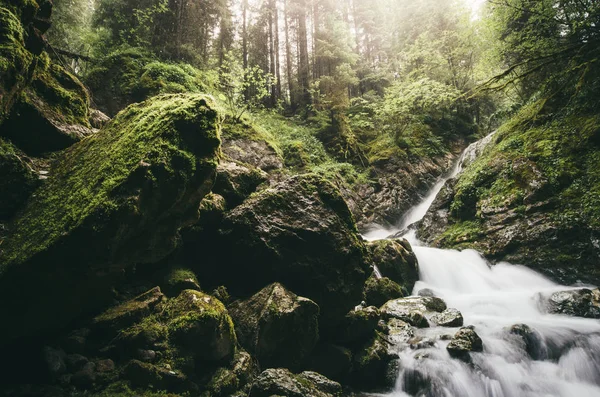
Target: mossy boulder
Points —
{"points": [[18, 181], [298, 232], [201, 325], [50, 114], [114, 200], [281, 382], [359, 325], [396, 261], [380, 290], [16, 63], [277, 326], [375, 365]]}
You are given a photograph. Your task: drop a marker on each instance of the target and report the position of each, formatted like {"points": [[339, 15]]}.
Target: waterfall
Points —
{"points": [[566, 361]]}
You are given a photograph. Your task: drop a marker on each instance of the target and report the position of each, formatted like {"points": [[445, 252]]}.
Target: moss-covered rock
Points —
{"points": [[396, 261], [178, 279], [300, 233], [359, 325], [201, 325], [114, 200], [281, 382], [15, 60], [18, 179], [236, 181], [278, 326], [50, 114], [380, 290], [375, 365]]}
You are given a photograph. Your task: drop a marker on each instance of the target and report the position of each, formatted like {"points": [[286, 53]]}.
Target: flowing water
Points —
{"points": [[494, 298]]}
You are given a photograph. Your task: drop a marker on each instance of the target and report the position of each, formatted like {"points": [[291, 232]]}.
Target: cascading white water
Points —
{"points": [[494, 298]]}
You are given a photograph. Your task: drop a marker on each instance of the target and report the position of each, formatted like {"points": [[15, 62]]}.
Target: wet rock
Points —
{"points": [[359, 325], [531, 339], [413, 309], [236, 181], [335, 362], [128, 313], [300, 233], [464, 341], [373, 365], [398, 331], [581, 303], [380, 290], [419, 342], [448, 318], [281, 382], [141, 182], [179, 279], [55, 360], [276, 325], [396, 261], [146, 376]]}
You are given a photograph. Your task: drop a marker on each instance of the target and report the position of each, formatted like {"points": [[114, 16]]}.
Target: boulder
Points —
{"points": [[144, 375], [375, 365], [246, 144], [18, 179], [50, 114], [201, 326], [298, 232], [413, 309], [281, 382], [98, 119], [277, 326], [115, 200], [396, 261], [463, 342], [378, 291], [359, 325], [236, 181], [448, 318], [126, 314], [398, 331], [580, 302]]}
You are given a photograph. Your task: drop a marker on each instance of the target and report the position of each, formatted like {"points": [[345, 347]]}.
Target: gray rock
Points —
{"points": [[413, 309], [465, 341], [281, 382], [448, 318], [581, 303], [531, 339]]}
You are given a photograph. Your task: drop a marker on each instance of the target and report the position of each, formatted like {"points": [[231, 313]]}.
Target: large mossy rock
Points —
{"points": [[51, 113], [281, 382], [300, 233], [277, 326], [114, 200], [18, 179], [396, 261], [375, 365]]}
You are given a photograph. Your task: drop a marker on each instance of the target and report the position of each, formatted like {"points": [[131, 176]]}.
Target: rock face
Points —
{"points": [[281, 382], [300, 233], [277, 326], [236, 181], [581, 303], [464, 341], [114, 200]]}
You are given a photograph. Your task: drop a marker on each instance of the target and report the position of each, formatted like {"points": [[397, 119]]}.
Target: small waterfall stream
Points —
{"points": [[494, 298]]}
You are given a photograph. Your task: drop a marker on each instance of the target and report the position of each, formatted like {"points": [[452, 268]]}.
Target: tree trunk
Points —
{"points": [[288, 58]]}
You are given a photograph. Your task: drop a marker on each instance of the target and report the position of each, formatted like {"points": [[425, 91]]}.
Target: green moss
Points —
{"points": [[171, 132], [18, 179], [379, 291]]}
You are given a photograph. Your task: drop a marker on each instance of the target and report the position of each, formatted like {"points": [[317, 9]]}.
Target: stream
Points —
{"points": [[566, 352]]}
